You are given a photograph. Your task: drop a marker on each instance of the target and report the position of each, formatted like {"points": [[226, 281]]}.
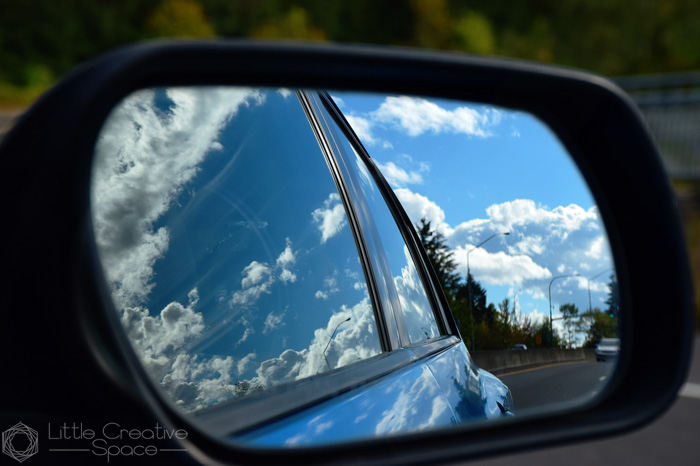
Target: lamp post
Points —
{"points": [[331, 339], [551, 325], [590, 308], [469, 283], [515, 300]]}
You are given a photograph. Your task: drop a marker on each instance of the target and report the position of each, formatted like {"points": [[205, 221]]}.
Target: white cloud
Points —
{"points": [[244, 362], [353, 340], [362, 128], [542, 240], [254, 273], [537, 316], [285, 260], [163, 341], [530, 245], [499, 268], [331, 282], [419, 319], [257, 280], [273, 321], [160, 336], [287, 276], [338, 101], [247, 333], [143, 159], [418, 206], [407, 412], [330, 218], [416, 116], [288, 256], [330, 286], [397, 176], [597, 248]]}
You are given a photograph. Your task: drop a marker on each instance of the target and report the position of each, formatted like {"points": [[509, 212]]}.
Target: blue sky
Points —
{"points": [[475, 170]]}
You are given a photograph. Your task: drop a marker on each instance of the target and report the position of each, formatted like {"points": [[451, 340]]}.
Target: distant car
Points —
{"points": [[519, 346], [607, 349]]}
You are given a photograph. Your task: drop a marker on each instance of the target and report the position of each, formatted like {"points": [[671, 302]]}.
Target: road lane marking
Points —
{"points": [[690, 390], [539, 367], [603, 378]]}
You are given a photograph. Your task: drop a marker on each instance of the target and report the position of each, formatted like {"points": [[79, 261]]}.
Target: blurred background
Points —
{"points": [[651, 48]]}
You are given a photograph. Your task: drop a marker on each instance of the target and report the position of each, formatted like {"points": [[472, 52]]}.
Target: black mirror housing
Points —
{"points": [[64, 352]]}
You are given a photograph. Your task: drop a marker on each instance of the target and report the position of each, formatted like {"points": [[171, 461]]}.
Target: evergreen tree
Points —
{"points": [[613, 300], [440, 256]]}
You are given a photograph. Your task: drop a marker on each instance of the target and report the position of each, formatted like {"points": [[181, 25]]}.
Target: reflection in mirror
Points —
{"points": [[262, 279], [512, 231]]}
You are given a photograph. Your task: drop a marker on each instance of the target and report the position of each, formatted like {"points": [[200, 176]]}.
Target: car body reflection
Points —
{"points": [[447, 389]]}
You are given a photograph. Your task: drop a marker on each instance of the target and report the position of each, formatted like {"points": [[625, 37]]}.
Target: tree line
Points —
{"points": [[500, 326], [42, 39]]}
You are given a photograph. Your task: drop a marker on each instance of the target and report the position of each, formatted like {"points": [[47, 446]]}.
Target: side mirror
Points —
{"points": [[284, 307]]}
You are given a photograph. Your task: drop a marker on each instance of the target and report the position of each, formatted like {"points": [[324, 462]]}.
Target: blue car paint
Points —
{"points": [[445, 389]]}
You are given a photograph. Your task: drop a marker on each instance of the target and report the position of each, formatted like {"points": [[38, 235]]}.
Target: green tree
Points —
{"points": [[440, 255], [613, 300], [474, 33], [541, 336], [179, 18], [570, 314], [602, 326], [294, 24], [478, 297]]}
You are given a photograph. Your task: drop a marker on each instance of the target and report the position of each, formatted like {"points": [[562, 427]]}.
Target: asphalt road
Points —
{"points": [[673, 439], [547, 386]]}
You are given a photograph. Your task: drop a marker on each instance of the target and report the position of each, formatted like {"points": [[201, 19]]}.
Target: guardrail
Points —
{"points": [[670, 104], [498, 362]]}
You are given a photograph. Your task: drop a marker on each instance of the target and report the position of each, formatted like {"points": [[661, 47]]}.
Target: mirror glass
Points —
{"points": [[259, 272]]}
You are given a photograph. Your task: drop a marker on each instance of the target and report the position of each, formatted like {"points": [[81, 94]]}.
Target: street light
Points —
{"points": [[469, 283], [331, 339], [515, 299], [551, 326], [590, 308]]}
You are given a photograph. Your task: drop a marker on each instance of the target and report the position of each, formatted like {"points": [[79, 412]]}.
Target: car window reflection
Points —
{"points": [[416, 310], [225, 243]]}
